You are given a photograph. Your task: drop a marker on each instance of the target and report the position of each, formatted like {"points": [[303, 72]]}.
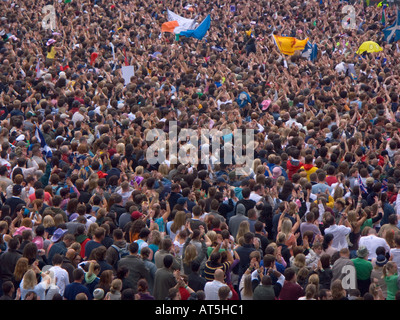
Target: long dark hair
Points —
{"points": [[327, 238], [286, 191]]}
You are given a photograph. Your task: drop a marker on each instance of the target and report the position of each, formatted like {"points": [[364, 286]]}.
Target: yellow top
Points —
{"points": [[52, 53]]}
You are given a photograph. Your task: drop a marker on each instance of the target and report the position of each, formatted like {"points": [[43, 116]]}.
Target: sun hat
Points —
{"points": [[265, 104], [50, 42], [58, 234], [362, 252]]}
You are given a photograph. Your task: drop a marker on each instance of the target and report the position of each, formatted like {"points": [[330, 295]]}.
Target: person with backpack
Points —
{"points": [[134, 263], [118, 249]]}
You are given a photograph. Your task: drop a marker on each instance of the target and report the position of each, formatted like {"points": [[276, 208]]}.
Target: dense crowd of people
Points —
{"points": [[86, 215]]}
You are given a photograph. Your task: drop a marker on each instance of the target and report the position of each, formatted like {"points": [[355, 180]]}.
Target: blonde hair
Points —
{"points": [[286, 227], [120, 148], [244, 227], [48, 221], [212, 235], [256, 163], [352, 216], [163, 169], [190, 254], [281, 238], [139, 170], [247, 287], [179, 221], [314, 279], [29, 280]]}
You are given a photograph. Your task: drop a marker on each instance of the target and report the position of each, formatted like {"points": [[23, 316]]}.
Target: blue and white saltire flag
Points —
{"points": [[200, 31], [46, 150], [310, 51], [392, 33]]}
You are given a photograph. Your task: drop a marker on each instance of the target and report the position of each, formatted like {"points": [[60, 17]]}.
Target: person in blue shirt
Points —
{"points": [[76, 287]]}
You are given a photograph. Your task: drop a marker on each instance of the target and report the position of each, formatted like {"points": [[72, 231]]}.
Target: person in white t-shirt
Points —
{"points": [[60, 274], [339, 231], [211, 288], [371, 242]]}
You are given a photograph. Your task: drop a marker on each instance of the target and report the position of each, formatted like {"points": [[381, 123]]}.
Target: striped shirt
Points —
{"points": [[210, 268]]}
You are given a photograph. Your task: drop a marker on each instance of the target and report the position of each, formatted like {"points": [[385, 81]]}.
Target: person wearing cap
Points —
{"points": [[183, 201], [61, 241], [377, 274], [98, 294], [363, 269]]}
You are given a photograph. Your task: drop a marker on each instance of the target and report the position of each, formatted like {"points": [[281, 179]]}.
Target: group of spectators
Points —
{"points": [[85, 215]]}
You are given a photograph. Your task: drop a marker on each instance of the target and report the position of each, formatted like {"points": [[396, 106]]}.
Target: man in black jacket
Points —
{"points": [[8, 260], [246, 201], [175, 195]]}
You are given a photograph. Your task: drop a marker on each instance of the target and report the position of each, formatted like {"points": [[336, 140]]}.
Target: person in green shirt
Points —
{"points": [[391, 279], [372, 220], [363, 269]]}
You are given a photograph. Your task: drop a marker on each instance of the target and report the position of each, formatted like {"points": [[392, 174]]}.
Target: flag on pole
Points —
{"points": [[38, 69], [392, 33], [46, 150], [384, 187], [384, 6], [126, 59], [176, 24], [288, 45], [363, 188], [200, 31], [310, 51]]}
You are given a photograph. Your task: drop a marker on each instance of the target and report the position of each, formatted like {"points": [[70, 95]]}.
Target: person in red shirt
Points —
{"points": [[185, 290], [330, 175], [293, 163], [291, 290], [41, 195]]}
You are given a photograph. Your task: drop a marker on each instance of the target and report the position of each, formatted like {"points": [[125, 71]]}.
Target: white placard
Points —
{"points": [[127, 73]]}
